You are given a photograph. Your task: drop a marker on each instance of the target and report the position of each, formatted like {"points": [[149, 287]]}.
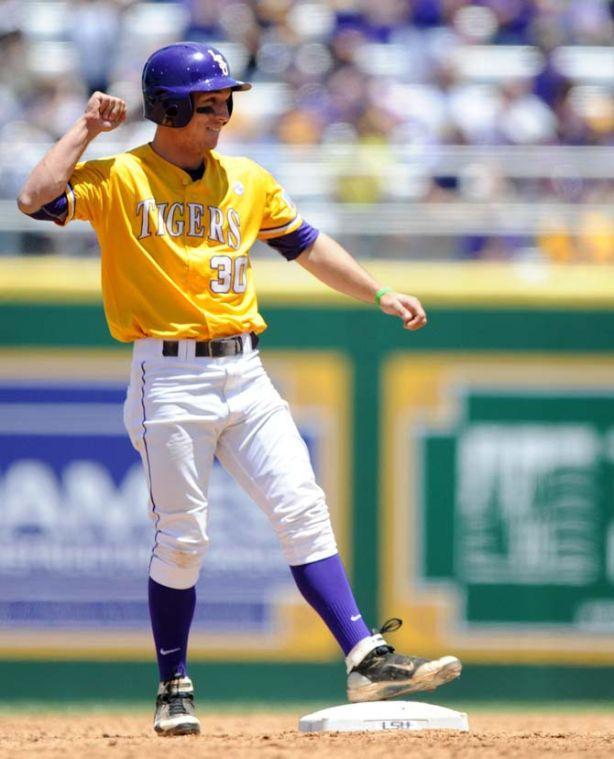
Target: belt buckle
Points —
{"points": [[220, 347]]}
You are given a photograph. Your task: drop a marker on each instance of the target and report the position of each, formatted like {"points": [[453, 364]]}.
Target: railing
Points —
{"points": [[496, 192]]}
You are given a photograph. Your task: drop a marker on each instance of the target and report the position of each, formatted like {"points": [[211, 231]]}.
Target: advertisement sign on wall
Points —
{"points": [[76, 537], [499, 476]]}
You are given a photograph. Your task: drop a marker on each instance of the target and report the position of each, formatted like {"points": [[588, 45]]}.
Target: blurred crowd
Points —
{"points": [[363, 72]]}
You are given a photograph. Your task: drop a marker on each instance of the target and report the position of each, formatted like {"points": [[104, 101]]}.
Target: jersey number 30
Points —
{"points": [[231, 274]]}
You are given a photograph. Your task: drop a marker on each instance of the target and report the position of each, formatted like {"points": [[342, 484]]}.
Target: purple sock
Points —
{"points": [[171, 613], [324, 585]]}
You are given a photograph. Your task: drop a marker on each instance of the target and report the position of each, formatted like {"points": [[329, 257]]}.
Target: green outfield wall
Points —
{"points": [[477, 474]]}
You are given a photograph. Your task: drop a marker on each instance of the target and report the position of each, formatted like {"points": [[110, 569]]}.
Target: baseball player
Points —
{"points": [[175, 221]]}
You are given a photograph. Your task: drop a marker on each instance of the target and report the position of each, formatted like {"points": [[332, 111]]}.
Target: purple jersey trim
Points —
{"points": [[294, 243], [56, 210]]}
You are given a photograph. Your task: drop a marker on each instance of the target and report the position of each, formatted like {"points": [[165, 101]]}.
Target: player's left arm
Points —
{"points": [[332, 264]]}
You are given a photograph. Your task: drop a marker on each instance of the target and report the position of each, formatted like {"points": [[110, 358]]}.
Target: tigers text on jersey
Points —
{"points": [[175, 252]]}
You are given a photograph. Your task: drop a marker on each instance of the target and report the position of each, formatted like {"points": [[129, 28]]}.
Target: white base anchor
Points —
{"points": [[383, 715]]}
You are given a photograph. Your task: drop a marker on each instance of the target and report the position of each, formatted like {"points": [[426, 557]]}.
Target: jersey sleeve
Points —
{"points": [[55, 211], [279, 215], [88, 190], [282, 227]]}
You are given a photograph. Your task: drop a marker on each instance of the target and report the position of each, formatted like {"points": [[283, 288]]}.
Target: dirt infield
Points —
{"points": [[269, 736]]}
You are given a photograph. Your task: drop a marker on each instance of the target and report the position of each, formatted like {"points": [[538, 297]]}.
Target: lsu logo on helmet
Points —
{"points": [[219, 59]]}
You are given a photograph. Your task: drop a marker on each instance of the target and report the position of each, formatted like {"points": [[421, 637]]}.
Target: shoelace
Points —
{"points": [[390, 625], [175, 702]]}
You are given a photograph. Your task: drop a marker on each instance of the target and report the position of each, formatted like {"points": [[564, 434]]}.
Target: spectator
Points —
{"points": [[392, 74], [94, 30]]}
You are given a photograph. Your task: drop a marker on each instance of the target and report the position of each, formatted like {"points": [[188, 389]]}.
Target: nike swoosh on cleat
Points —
{"points": [[357, 617], [164, 652]]}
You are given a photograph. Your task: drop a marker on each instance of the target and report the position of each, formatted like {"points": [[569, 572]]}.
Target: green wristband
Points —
{"points": [[380, 292]]}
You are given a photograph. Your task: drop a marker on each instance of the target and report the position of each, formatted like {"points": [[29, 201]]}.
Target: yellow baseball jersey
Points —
{"points": [[175, 252]]}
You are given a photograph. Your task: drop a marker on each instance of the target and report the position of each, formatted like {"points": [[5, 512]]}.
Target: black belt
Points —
{"points": [[222, 346]]}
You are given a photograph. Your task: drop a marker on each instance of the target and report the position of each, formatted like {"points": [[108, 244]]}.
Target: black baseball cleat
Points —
{"points": [[376, 673], [175, 708], [383, 674]]}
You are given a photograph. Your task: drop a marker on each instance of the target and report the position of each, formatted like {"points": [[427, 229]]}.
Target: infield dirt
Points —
{"points": [[268, 736]]}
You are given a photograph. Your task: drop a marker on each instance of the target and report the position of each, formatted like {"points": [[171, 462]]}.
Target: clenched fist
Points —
{"points": [[406, 307], [103, 112]]}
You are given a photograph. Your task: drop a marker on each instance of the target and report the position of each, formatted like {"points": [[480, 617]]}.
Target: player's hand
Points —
{"points": [[406, 307], [103, 112]]}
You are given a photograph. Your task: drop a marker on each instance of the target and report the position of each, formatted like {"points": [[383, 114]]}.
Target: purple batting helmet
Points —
{"points": [[173, 73]]}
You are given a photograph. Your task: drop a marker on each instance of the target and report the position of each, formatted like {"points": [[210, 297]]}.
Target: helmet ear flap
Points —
{"points": [[167, 110]]}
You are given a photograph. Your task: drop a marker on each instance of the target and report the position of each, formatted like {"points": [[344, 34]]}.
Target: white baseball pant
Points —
{"points": [[182, 411]]}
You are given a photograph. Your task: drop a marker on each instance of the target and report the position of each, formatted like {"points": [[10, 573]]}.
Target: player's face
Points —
{"points": [[210, 115]]}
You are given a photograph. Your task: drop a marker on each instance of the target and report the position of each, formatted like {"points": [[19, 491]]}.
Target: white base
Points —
{"points": [[383, 715]]}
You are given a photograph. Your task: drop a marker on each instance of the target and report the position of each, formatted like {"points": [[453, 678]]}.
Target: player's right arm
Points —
{"points": [[49, 178]]}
